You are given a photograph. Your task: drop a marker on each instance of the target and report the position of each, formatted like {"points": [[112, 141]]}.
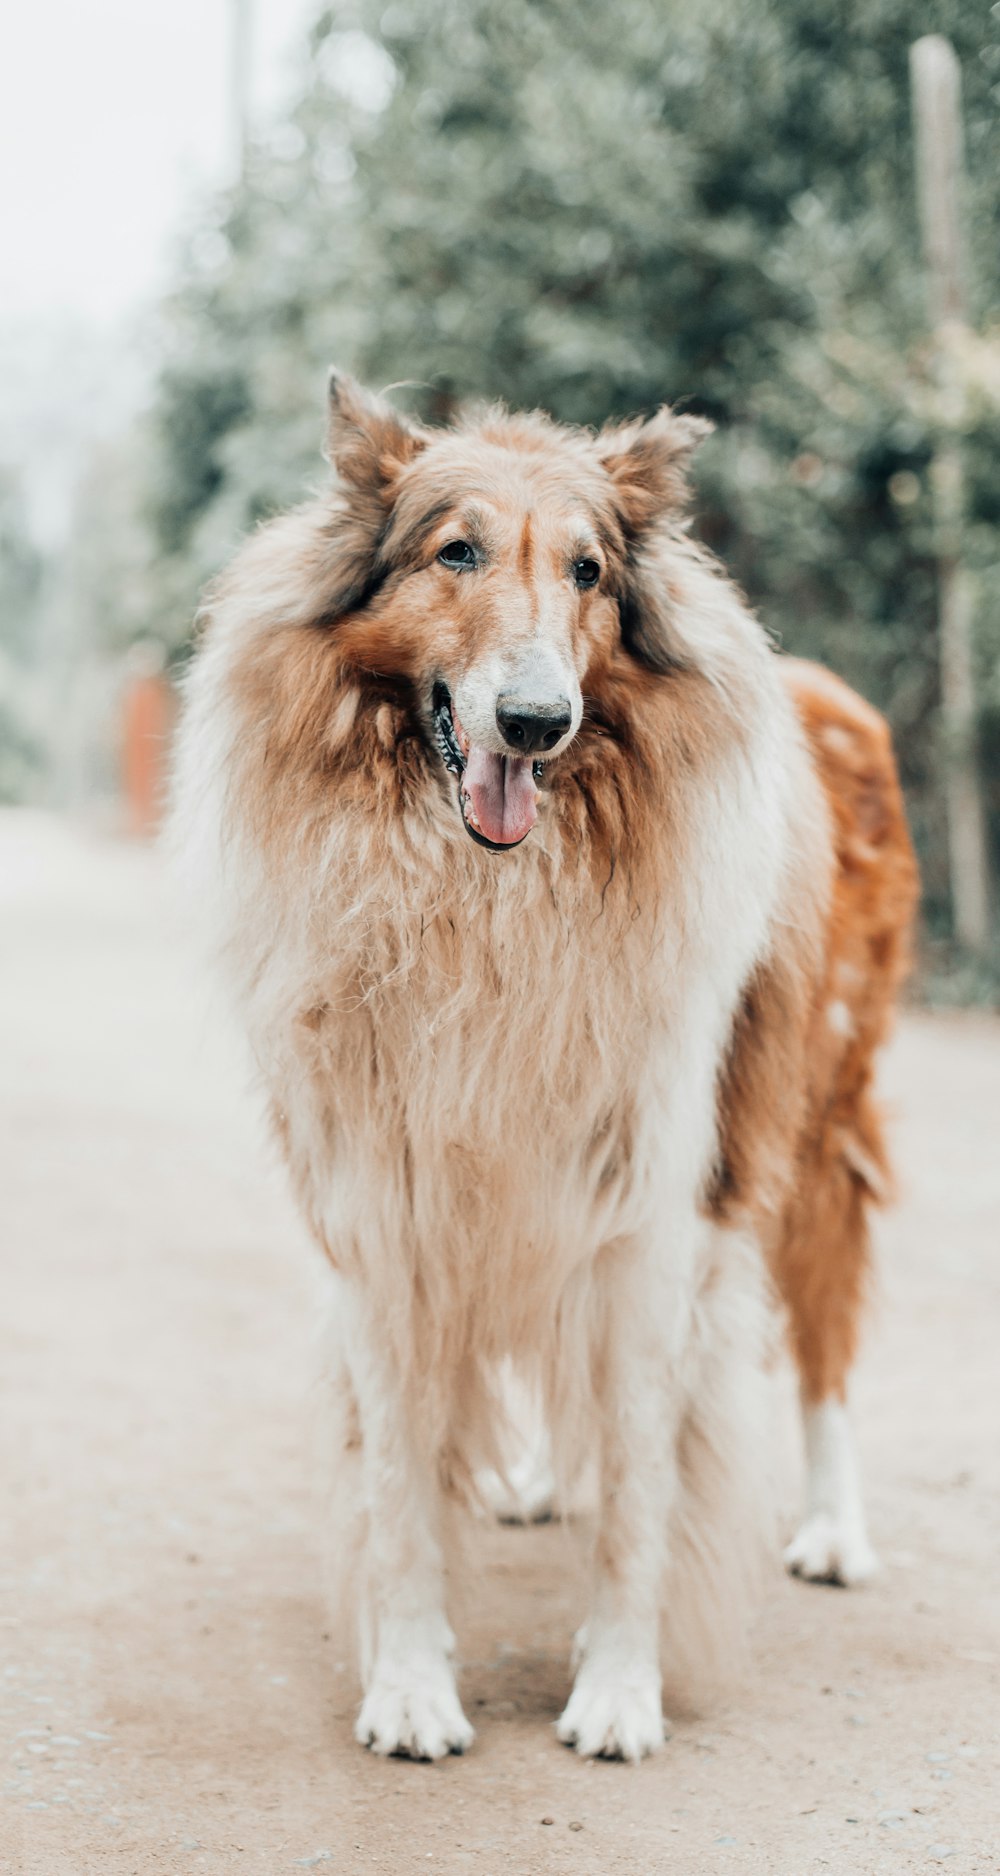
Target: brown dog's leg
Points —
{"points": [[411, 1705], [821, 1263], [615, 1708], [822, 1269]]}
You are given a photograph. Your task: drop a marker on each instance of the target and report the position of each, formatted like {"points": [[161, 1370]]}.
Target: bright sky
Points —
{"points": [[113, 115]]}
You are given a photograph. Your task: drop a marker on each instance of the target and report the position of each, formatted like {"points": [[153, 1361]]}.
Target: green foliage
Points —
{"points": [[21, 569], [592, 209], [199, 408], [21, 576]]}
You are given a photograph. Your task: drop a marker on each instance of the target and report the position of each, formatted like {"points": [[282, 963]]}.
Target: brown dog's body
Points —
{"points": [[545, 1105], [802, 1146], [804, 1154], [820, 1255]]}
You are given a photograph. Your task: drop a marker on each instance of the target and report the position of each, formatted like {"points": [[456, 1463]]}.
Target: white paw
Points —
{"points": [[614, 1712], [526, 1496], [831, 1550], [417, 1714]]}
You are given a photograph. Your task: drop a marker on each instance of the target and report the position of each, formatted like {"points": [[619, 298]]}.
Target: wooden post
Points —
{"points": [[936, 84], [241, 71], [148, 709]]}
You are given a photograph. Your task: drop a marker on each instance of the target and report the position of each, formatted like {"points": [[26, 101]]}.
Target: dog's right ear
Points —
{"points": [[368, 442], [368, 445]]}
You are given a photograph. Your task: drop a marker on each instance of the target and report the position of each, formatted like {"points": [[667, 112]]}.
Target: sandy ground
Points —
{"points": [[172, 1698]]}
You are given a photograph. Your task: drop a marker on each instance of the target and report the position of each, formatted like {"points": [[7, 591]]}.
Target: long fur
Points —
{"points": [[492, 1074]]}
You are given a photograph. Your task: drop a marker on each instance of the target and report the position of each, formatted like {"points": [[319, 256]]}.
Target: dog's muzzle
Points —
{"points": [[497, 796]]}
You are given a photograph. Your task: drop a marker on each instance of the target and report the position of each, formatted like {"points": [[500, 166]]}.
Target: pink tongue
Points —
{"points": [[502, 791]]}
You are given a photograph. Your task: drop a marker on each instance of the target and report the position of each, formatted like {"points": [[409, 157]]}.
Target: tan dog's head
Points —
{"points": [[495, 566]]}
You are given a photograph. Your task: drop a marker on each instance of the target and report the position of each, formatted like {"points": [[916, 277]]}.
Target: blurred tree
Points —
{"points": [[593, 209], [21, 582], [21, 569]]}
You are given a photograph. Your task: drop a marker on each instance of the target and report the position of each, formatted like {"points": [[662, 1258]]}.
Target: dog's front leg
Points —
{"points": [[615, 1708], [411, 1703]]}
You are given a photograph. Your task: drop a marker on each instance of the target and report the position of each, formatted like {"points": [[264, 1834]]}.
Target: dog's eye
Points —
{"points": [[457, 555], [586, 572]]}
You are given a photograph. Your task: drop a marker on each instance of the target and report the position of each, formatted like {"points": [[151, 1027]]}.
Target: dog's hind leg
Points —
{"points": [[822, 1269], [831, 1544], [411, 1703], [821, 1262], [524, 1492]]}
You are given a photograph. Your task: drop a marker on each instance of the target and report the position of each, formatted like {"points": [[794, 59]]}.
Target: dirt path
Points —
{"points": [[170, 1698]]}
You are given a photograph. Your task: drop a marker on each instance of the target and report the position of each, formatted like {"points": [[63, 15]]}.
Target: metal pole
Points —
{"points": [[936, 84]]}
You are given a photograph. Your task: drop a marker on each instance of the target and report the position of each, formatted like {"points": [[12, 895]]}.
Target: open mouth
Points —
{"points": [[497, 797]]}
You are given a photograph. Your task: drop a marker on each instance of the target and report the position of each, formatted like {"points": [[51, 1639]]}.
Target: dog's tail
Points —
{"points": [[724, 1526]]}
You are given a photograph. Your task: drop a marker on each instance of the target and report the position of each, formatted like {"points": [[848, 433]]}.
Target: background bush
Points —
{"points": [[592, 209]]}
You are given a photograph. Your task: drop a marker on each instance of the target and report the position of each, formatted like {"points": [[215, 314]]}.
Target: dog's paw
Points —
{"points": [[526, 1496], [831, 1550], [418, 1718], [614, 1713]]}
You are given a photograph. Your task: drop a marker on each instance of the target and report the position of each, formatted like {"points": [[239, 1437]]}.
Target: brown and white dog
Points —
{"points": [[566, 918]]}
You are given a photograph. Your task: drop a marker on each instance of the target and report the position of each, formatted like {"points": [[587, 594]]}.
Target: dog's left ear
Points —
{"points": [[367, 441], [647, 462]]}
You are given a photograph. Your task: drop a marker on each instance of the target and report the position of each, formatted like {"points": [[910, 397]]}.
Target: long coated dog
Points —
{"points": [[565, 918]]}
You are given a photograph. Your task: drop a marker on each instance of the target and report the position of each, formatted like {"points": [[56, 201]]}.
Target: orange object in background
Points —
{"points": [[148, 714]]}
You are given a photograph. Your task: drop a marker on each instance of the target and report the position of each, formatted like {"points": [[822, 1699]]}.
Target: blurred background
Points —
{"points": [[562, 203]]}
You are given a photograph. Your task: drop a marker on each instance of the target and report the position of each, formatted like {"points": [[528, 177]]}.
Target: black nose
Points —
{"points": [[528, 727]]}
